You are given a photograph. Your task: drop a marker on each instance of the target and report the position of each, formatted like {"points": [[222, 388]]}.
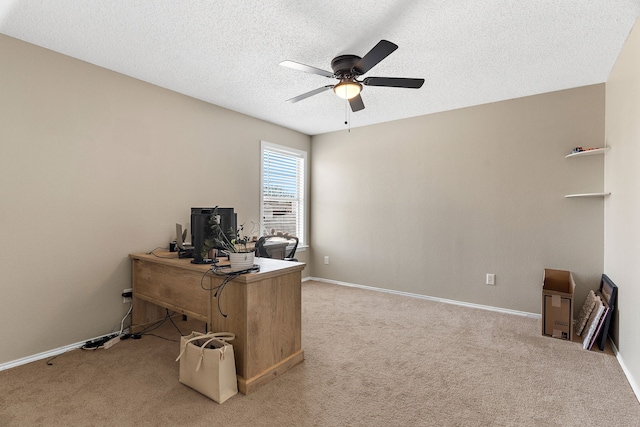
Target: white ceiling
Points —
{"points": [[227, 52]]}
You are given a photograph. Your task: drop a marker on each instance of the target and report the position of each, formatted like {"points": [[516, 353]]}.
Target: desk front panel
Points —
{"points": [[266, 317], [274, 324], [174, 288]]}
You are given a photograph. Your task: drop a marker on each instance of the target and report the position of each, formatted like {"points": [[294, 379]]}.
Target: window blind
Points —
{"points": [[283, 177]]}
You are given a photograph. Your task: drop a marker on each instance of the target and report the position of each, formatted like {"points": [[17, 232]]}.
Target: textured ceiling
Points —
{"points": [[227, 52]]}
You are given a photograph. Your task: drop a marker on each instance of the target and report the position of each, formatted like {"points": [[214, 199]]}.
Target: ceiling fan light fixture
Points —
{"points": [[347, 89]]}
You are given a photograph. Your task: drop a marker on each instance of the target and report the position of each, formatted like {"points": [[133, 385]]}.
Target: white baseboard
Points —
{"points": [[40, 356], [46, 354], [627, 373], [426, 297]]}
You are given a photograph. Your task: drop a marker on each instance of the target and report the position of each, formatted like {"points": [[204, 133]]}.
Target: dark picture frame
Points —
{"points": [[608, 291]]}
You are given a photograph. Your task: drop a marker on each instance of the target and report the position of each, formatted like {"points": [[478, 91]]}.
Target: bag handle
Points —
{"points": [[223, 349], [222, 336]]}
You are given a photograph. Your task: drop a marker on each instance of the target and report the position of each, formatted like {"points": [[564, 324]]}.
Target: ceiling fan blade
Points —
{"points": [[308, 94], [356, 103], [306, 68], [375, 55], [393, 82]]}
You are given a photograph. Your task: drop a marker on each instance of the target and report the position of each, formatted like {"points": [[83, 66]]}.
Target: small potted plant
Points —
{"points": [[233, 243]]}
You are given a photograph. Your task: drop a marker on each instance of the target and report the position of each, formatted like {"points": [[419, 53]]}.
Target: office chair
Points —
{"points": [[263, 251]]}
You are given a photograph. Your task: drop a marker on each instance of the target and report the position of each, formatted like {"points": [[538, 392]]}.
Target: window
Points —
{"points": [[282, 201]]}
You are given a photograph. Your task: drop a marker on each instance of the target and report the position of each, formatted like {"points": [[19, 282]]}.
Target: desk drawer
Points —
{"points": [[179, 290]]}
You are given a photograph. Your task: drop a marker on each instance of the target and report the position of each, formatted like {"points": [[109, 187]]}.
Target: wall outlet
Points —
{"points": [[126, 300], [491, 279], [326, 260]]}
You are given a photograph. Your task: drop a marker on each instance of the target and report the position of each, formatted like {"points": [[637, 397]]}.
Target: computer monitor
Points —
{"points": [[228, 222], [200, 221]]}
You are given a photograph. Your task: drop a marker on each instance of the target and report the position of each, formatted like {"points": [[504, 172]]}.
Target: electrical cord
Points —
{"points": [[93, 345], [176, 326], [125, 316], [158, 256], [215, 288], [228, 277], [219, 270], [100, 342], [152, 327], [51, 359], [155, 325]]}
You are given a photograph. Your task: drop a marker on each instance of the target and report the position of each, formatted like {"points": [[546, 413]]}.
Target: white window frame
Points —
{"points": [[301, 155]]}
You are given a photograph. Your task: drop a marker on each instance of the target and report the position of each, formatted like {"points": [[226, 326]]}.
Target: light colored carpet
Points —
{"points": [[372, 359]]}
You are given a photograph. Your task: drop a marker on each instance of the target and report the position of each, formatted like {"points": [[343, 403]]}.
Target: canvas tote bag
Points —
{"points": [[207, 364]]}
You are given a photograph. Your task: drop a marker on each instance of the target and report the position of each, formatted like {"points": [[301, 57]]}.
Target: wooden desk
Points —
{"points": [[263, 309]]}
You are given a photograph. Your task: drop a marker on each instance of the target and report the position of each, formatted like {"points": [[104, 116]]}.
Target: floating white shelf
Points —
{"points": [[568, 196], [592, 152], [589, 152]]}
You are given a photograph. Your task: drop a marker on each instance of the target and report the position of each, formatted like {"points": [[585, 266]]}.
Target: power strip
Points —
{"points": [[113, 341]]}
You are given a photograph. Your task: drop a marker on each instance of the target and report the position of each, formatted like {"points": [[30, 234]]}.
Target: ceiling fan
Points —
{"points": [[348, 68]]}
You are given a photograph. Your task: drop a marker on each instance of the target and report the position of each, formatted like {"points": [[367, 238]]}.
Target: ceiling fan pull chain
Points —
{"points": [[346, 121], [347, 115]]}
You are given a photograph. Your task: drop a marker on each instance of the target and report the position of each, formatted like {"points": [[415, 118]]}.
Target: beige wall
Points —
{"points": [[622, 209], [93, 166], [430, 205]]}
